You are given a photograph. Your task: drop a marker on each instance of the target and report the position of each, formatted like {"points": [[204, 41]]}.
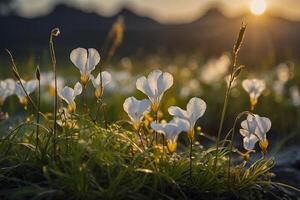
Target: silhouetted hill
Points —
{"points": [[267, 37]]}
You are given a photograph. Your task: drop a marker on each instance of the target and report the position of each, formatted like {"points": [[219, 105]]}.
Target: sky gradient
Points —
{"points": [[166, 11]]}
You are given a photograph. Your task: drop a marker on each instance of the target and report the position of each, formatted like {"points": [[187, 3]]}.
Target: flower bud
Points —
{"points": [[55, 32]]}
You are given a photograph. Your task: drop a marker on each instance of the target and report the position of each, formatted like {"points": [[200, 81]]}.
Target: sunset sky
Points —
{"points": [[166, 11]]}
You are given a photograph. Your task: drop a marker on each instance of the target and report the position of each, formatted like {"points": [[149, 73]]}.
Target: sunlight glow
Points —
{"points": [[258, 7]]}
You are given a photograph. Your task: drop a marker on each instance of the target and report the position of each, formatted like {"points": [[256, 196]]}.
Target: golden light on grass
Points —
{"points": [[258, 7]]}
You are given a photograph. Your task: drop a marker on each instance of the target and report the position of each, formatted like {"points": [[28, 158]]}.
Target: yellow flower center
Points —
{"points": [[191, 134], [136, 126], [171, 145], [99, 93], [24, 102], [72, 107], [263, 144], [51, 90], [253, 103], [155, 107], [84, 79]]}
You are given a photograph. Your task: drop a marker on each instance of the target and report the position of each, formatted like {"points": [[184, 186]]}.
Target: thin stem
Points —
{"points": [[231, 143], [99, 105], [54, 32], [141, 139], [191, 161], [105, 116], [38, 113], [156, 134], [16, 73], [86, 111], [233, 75], [221, 124]]}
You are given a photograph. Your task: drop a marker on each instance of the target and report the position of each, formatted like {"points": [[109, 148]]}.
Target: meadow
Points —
{"points": [[178, 128]]}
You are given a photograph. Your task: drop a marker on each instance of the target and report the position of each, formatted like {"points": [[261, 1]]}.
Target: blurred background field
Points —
{"points": [[192, 44]]}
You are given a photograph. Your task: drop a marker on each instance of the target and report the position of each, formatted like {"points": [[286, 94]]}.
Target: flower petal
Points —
{"points": [[249, 142], [77, 89], [181, 124], [67, 94], [158, 127], [244, 133], [263, 126], [106, 78], [94, 80], [153, 80], [143, 86], [164, 82], [136, 109], [30, 86], [79, 59], [177, 112], [93, 59], [195, 109]]}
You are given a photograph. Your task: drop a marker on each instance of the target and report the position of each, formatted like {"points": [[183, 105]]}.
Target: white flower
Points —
{"points": [[254, 129], [154, 86], [295, 95], [29, 86], [100, 82], [48, 83], [69, 94], [171, 131], [215, 69], [85, 60], [278, 87], [122, 83], [194, 110], [283, 72], [136, 110], [254, 87], [7, 88]]}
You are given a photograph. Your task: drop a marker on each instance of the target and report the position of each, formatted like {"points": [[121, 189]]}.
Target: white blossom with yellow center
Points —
{"points": [[100, 82], [255, 129], [29, 86], [85, 60], [136, 110], [69, 94], [194, 110], [254, 87], [154, 86], [171, 131]]}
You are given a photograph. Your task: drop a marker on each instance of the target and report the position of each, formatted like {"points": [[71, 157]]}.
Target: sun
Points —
{"points": [[258, 7]]}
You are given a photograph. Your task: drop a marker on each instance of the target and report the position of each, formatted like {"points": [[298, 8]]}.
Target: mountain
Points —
{"points": [[268, 38]]}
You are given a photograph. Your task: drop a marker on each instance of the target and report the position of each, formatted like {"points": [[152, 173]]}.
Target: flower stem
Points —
{"points": [[231, 143], [38, 112], [233, 75], [53, 59], [191, 161]]}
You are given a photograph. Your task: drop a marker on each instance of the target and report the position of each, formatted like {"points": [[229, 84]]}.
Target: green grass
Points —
{"points": [[97, 163]]}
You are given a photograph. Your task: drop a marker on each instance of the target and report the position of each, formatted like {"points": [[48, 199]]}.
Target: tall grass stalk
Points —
{"points": [[54, 33], [234, 73], [18, 77], [38, 77]]}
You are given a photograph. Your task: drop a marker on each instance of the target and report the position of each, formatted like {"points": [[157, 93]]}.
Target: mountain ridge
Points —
{"points": [[212, 34]]}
